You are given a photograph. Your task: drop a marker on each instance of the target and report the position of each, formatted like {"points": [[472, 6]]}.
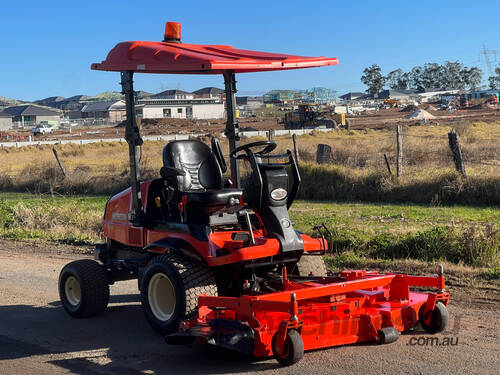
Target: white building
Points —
{"points": [[180, 108]]}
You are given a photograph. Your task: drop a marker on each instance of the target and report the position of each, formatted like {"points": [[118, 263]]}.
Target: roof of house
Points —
{"points": [[209, 90], [365, 97], [390, 93], [143, 94], [350, 94], [102, 106], [170, 93], [29, 110]]}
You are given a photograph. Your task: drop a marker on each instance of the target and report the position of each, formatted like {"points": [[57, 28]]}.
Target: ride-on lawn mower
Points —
{"points": [[220, 262]]}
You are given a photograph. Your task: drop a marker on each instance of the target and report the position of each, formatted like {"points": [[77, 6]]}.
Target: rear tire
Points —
{"points": [[310, 265], [170, 288], [83, 288]]}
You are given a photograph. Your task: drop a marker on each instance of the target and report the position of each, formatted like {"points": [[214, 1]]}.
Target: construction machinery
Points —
{"points": [[309, 116], [219, 261], [391, 103]]}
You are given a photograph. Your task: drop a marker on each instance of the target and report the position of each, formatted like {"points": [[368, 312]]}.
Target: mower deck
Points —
{"points": [[326, 311]]}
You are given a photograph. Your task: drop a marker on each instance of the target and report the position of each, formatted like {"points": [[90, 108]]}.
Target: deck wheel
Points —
{"points": [[293, 350], [388, 335], [439, 318]]}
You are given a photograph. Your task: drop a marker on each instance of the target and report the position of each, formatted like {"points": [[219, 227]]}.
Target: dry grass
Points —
{"points": [[357, 170]]}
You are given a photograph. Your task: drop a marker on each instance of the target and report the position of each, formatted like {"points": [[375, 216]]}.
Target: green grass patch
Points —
{"points": [[73, 220], [361, 231], [458, 234]]}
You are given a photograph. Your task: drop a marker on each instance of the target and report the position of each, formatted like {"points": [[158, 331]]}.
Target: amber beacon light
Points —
{"points": [[173, 31]]}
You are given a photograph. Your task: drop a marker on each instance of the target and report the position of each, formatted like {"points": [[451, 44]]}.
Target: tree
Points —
{"points": [[397, 80], [472, 77], [416, 78], [452, 79], [494, 81], [431, 75], [450, 75], [373, 79]]}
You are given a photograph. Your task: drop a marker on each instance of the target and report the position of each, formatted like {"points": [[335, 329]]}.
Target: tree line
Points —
{"points": [[449, 75]]}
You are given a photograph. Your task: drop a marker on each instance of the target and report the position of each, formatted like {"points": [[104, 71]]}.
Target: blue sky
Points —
{"points": [[47, 47]]}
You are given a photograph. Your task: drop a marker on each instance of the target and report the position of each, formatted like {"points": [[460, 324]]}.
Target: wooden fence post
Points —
{"points": [[399, 151], [270, 135], [323, 154], [456, 150], [295, 149], [59, 162], [387, 164]]}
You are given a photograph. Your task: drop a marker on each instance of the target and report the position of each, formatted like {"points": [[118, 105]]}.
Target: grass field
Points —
{"points": [[459, 235]]}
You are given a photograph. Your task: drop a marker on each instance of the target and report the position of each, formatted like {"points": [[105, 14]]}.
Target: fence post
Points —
{"points": [[59, 162], [295, 148], [399, 150], [387, 164], [323, 154], [456, 150], [270, 135]]}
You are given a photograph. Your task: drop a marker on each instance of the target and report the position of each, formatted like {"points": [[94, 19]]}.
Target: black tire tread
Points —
{"points": [[94, 285], [197, 279]]}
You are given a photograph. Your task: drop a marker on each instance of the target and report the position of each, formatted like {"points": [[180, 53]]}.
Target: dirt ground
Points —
{"points": [[382, 119], [38, 337], [388, 118]]}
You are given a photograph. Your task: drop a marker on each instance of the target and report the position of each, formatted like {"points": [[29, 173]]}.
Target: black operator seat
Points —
{"points": [[202, 181]]}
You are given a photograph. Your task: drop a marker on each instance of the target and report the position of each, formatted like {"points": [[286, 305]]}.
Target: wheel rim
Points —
{"points": [[73, 291], [161, 296]]}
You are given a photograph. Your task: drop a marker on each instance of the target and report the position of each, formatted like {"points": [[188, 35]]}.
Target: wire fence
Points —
{"points": [[420, 153]]}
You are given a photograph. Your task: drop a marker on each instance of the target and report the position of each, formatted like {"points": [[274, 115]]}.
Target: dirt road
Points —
{"points": [[37, 337]]}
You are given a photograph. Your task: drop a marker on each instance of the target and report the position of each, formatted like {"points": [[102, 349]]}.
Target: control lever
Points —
{"points": [[250, 230]]}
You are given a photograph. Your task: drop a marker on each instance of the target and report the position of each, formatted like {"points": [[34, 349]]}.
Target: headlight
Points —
{"points": [[278, 194]]}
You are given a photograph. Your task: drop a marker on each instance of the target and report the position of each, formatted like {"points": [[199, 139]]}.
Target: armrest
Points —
{"points": [[166, 172]]}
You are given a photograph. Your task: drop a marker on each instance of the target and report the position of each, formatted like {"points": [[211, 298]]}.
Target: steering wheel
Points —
{"points": [[267, 147]]}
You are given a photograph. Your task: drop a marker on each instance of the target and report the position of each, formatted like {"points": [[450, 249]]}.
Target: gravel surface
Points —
{"points": [[38, 337]]}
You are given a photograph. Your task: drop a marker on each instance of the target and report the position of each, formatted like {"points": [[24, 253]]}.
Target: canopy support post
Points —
{"points": [[232, 127], [134, 140]]}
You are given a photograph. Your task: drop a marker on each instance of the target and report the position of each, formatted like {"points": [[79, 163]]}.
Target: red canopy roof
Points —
{"points": [[167, 57]]}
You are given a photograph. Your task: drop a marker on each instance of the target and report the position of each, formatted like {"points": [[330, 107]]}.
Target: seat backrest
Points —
{"points": [[197, 160]]}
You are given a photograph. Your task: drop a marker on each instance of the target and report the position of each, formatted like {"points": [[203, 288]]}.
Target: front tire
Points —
{"points": [[83, 288], [170, 288]]}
